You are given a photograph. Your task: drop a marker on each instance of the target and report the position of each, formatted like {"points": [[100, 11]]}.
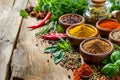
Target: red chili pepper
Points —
{"points": [[53, 36], [42, 23]]}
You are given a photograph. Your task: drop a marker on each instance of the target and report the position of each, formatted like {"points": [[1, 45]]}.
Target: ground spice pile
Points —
{"points": [[116, 35], [96, 46], [82, 31], [84, 70], [109, 25]]}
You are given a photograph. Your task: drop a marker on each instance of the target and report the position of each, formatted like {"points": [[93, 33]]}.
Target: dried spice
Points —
{"points": [[116, 35], [96, 46], [71, 60], [83, 70], [71, 19], [82, 31], [109, 25]]}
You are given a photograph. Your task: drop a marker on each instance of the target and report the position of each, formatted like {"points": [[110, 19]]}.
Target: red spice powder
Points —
{"points": [[109, 25], [84, 70]]}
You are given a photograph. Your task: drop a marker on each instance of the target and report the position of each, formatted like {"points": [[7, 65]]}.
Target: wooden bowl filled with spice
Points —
{"points": [[67, 20], [114, 36], [95, 50], [106, 26], [79, 32]]}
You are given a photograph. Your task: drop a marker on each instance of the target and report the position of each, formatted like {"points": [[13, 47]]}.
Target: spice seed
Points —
{"points": [[69, 76], [47, 60]]}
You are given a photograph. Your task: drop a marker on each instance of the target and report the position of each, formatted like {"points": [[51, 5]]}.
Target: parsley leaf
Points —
{"points": [[23, 13]]}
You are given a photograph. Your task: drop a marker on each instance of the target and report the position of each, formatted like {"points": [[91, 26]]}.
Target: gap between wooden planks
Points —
{"points": [[10, 21], [29, 62]]}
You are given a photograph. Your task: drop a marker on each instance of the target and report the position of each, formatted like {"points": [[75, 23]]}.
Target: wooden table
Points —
{"points": [[21, 53]]}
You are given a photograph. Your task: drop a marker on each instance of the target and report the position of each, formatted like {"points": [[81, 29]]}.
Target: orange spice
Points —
{"points": [[84, 70], [109, 24]]}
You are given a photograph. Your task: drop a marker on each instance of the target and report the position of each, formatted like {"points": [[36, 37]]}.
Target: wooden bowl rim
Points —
{"points": [[102, 54], [69, 35], [100, 21], [111, 33], [82, 19]]}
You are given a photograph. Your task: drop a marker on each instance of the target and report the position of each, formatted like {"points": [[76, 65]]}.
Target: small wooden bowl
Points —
{"points": [[75, 41], [64, 25], [112, 39], [86, 77], [95, 58], [102, 31]]}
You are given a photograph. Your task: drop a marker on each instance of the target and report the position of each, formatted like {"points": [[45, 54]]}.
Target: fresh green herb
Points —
{"points": [[115, 5], [112, 62], [115, 56], [60, 7], [59, 29], [23, 13], [37, 8], [59, 49], [110, 69], [118, 63]]}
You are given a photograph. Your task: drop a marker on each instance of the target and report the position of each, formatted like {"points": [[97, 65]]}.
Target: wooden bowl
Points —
{"points": [[95, 58], [75, 41], [65, 25], [86, 77], [112, 39], [102, 31]]}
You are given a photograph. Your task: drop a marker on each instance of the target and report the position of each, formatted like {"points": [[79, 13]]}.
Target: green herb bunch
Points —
{"points": [[115, 5], [60, 7], [112, 63], [59, 49]]}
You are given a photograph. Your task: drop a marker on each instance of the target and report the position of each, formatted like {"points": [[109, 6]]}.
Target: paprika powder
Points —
{"points": [[109, 24]]}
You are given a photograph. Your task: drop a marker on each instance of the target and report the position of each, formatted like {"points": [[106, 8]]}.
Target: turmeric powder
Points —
{"points": [[82, 31]]}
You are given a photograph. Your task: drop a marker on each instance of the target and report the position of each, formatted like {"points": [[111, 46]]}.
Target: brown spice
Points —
{"points": [[96, 46], [47, 60], [69, 76]]}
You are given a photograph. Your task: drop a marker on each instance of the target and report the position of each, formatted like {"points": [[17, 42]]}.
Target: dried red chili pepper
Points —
{"points": [[53, 36], [42, 23]]}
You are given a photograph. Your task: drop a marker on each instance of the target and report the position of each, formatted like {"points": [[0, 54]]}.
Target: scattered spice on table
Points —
{"points": [[69, 76], [109, 25], [71, 19], [97, 75], [96, 46], [71, 60], [82, 31], [116, 35], [83, 70]]}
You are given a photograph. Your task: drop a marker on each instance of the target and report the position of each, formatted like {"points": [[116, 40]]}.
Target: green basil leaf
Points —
{"points": [[114, 70], [23, 13], [117, 63], [50, 49], [59, 58], [107, 68], [115, 56], [107, 60]]}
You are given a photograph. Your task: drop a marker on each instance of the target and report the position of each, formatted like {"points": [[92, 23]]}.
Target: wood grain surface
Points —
{"points": [[10, 21], [29, 62]]}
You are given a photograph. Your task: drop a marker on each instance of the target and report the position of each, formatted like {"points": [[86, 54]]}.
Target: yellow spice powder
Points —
{"points": [[82, 31]]}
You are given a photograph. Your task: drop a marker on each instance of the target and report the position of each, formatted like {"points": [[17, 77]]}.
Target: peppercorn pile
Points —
{"points": [[71, 19], [71, 61], [96, 46]]}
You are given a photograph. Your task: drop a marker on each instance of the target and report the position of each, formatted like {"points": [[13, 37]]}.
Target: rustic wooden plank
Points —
{"points": [[10, 21], [29, 62]]}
